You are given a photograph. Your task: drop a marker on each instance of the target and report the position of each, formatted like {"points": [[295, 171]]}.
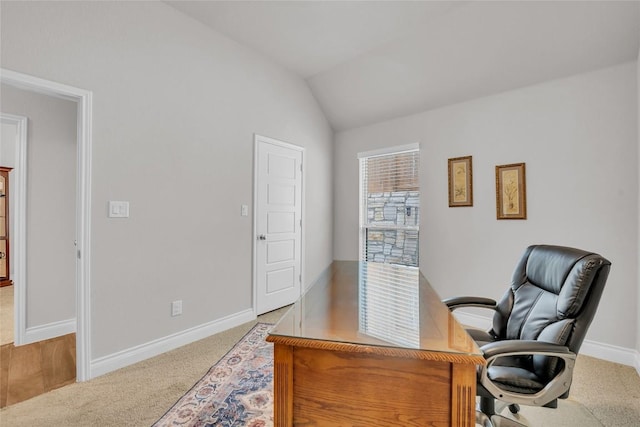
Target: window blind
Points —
{"points": [[390, 207]]}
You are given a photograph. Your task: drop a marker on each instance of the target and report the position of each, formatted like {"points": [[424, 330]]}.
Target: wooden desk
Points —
{"points": [[355, 351]]}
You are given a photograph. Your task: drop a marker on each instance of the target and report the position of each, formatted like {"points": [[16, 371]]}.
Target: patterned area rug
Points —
{"points": [[237, 391]]}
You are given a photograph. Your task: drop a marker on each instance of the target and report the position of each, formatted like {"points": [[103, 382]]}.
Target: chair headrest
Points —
{"points": [[563, 271]]}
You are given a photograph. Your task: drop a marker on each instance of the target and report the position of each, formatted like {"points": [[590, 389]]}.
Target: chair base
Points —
{"points": [[496, 421], [488, 413]]}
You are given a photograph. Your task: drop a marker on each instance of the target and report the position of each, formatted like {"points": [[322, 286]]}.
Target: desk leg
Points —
{"points": [[463, 395], [282, 385]]}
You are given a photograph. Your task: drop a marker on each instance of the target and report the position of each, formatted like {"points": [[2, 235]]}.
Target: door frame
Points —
{"points": [[254, 235], [18, 231], [83, 98]]}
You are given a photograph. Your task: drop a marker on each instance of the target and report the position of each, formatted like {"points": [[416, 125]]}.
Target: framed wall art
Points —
{"points": [[511, 191], [460, 182]]}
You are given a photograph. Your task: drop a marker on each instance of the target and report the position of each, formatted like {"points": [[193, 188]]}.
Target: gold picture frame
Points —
{"points": [[511, 191], [460, 182]]}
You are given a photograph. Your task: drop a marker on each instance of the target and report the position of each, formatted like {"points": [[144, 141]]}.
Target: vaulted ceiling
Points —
{"points": [[370, 61]]}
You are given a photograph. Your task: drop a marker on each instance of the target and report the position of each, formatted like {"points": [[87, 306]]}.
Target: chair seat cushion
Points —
{"points": [[515, 379]]}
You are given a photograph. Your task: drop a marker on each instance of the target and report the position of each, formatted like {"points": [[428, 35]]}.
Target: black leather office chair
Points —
{"points": [[538, 328]]}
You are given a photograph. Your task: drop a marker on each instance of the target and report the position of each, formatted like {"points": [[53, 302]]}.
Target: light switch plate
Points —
{"points": [[118, 209], [244, 210]]}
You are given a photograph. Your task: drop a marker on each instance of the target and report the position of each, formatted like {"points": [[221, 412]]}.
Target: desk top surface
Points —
{"points": [[376, 308]]}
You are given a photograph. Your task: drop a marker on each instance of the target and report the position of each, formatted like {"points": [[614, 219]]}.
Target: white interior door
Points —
{"points": [[278, 220]]}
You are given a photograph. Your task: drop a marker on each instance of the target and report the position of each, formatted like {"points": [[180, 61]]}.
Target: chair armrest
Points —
{"points": [[459, 302], [558, 386], [504, 348]]}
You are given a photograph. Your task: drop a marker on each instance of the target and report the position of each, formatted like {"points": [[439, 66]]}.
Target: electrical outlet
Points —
{"points": [[176, 308]]}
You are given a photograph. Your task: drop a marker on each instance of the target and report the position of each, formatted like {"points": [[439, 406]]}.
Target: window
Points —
{"points": [[390, 205]]}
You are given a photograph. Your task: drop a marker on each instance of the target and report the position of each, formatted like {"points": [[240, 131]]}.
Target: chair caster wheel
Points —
{"points": [[514, 409]]}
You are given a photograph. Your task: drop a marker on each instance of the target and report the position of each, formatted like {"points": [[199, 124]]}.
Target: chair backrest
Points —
{"points": [[553, 297]]}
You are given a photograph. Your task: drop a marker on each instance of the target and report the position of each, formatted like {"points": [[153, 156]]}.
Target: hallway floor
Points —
{"points": [[33, 369], [6, 314]]}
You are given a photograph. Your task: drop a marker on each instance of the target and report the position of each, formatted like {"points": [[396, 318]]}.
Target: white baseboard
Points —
{"points": [[322, 277], [611, 353], [48, 331], [105, 364]]}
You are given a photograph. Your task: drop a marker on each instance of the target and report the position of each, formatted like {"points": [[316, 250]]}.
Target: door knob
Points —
{"points": [[262, 237]]}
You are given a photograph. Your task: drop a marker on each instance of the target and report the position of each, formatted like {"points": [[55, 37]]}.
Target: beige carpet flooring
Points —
{"points": [[6, 314], [603, 394]]}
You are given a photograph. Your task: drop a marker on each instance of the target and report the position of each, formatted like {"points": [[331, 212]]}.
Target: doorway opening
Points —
{"points": [[13, 154], [83, 99]]}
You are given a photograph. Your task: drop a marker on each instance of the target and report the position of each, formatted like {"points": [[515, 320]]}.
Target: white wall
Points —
{"points": [[578, 138], [175, 108], [51, 186]]}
